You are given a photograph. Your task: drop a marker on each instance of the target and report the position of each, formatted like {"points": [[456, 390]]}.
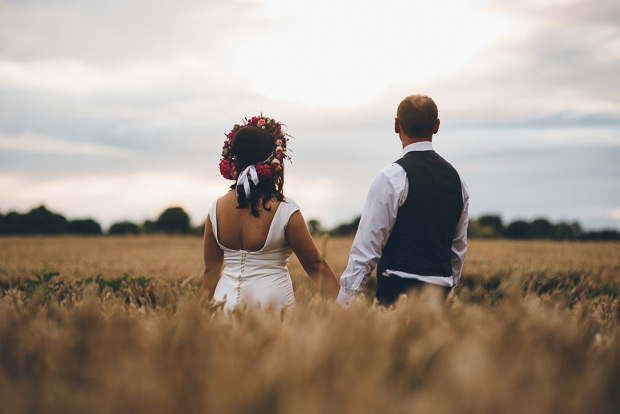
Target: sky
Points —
{"points": [[117, 110]]}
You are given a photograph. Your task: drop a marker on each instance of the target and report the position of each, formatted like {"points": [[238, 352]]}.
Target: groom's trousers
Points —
{"points": [[389, 288]]}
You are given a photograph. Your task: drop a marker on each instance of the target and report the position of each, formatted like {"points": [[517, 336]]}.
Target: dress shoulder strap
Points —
{"points": [[290, 207], [213, 218], [276, 236], [213, 214]]}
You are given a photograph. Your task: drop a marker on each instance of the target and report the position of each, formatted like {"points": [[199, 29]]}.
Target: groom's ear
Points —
{"points": [[396, 126], [436, 126]]}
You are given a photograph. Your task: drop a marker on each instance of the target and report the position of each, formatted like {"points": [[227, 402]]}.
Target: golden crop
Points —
{"points": [[534, 327]]}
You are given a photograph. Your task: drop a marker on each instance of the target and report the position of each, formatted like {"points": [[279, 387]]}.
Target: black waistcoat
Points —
{"points": [[421, 240]]}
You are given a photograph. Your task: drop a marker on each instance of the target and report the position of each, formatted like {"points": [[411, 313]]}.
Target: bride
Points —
{"points": [[252, 229]]}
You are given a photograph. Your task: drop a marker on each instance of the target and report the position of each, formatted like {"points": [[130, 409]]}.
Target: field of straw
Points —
{"points": [[120, 325]]}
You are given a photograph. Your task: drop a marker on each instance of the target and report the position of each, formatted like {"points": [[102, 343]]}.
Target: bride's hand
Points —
{"points": [[300, 240]]}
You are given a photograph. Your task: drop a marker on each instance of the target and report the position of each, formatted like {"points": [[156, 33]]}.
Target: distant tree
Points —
{"points": [[346, 229], [541, 228], [314, 226], [607, 234], [493, 222], [172, 220], [124, 227], [13, 223], [42, 221], [149, 227], [517, 230], [3, 224], [566, 231], [475, 230], [576, 230], [86, 226]]}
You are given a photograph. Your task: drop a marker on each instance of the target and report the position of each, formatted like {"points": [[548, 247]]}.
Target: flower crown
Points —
{"points": [[229, 167]]}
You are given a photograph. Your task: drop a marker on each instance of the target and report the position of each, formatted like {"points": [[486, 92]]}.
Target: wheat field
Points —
{"points": [[121, 324]]}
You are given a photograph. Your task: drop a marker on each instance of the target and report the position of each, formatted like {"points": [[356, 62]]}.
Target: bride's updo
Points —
{"points": [[250, 146]]}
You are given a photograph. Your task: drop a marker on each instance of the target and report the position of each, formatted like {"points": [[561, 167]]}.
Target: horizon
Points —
{"points": [[194, 224]]}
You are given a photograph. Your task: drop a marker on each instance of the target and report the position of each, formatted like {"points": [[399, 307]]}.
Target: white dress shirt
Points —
{"points": [[387, 194]]}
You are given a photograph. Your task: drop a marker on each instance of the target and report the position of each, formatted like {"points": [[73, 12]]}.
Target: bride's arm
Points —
{"points": [[300, 240], [213, 258]]}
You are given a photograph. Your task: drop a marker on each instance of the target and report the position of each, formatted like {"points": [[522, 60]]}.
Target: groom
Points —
{"points": [[414, 223]]}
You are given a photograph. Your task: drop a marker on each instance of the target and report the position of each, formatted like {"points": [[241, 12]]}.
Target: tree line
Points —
{"points": [[40, 220], [174, 220], [492, 226]]}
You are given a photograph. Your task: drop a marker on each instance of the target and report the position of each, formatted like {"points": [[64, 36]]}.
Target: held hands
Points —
{"points": [[344, 299]]}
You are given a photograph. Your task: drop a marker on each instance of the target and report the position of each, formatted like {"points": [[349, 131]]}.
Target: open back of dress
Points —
{"points": [[257, 277]]}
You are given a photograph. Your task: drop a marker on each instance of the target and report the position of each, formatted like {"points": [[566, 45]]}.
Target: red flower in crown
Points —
{"points": [[263, 170], [228, 169]]}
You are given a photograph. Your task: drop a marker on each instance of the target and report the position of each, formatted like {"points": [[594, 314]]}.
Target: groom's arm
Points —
{"points": [[459, 243], [378, 217]]}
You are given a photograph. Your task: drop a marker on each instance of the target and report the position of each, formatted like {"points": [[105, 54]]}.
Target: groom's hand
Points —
{"points": [[344, 299]]}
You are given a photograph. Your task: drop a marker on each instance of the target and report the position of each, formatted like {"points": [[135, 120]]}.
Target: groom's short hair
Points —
{"points": [[417, 115]]}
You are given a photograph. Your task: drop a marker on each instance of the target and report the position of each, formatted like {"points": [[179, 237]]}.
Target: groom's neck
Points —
{"points": [[407, 140]]}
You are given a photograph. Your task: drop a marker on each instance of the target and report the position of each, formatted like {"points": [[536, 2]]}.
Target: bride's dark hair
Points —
{"points": [[250, 146]]}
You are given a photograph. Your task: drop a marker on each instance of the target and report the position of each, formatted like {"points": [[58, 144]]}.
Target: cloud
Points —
{"points": [[319, 54], [76, 77], [565, 62], [563, 12], [153, 86], [39, 143], [108, 32], [346, 53]]}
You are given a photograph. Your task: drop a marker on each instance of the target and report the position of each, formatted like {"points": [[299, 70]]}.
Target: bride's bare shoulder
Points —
{"points": [[227, 199]]}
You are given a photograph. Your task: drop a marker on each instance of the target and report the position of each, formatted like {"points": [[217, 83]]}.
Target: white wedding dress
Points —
{"points": [[257, 277]]}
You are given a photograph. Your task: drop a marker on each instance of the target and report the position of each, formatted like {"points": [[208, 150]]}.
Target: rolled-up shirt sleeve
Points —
{"points": [[459, 243], [380, 210]]}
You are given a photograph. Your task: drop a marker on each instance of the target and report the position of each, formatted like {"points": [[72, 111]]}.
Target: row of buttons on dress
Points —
{"points": [[241, 272]]}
